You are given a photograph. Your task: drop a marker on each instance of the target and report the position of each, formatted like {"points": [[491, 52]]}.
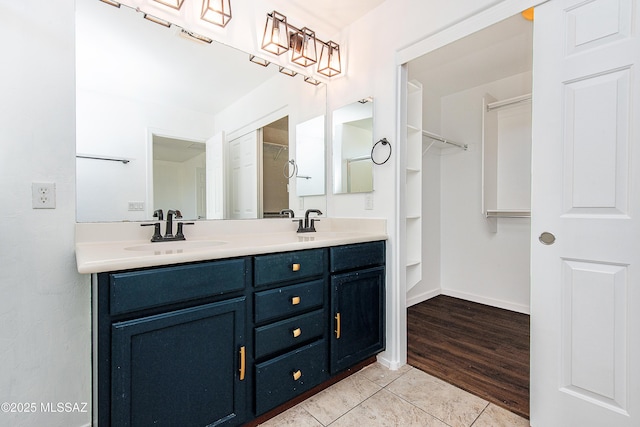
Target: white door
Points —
{"points": [[585, 297], [243, 178], [215, 180]]}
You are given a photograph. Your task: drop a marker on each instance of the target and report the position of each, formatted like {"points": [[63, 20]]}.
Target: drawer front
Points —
{"points": [[288, 300], [288, 333], [288, 266], [285, 377], [138, 290], [359, 255]]}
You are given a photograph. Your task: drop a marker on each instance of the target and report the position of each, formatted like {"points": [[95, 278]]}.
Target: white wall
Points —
{"points": [[477, 264], [45, 337]]}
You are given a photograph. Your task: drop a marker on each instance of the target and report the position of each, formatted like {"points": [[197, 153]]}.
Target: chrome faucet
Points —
{"points": [[309, 224]]}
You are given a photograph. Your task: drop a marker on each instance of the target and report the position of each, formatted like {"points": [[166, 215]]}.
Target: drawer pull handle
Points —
{"points": [[295, 300], [296, 375], [296, 332], [295, 267], [242, 363], [337, 331]]}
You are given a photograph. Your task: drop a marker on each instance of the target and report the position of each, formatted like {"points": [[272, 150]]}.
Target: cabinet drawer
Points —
{"points": [[288, 300], [359, 255], [138, 290], [285, 377], [288, 266], [288, 333]]}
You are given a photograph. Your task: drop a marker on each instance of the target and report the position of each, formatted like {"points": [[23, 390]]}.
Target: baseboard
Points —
{"points": [[518, 308], [394, 366], [423, 297]]}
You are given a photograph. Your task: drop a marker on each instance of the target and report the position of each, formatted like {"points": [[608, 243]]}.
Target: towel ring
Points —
{"points": [[383, 141], [294, 171]]}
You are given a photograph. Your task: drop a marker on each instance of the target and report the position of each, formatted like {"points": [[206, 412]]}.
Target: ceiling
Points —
{"points": [[501, 50], [325, 17]]}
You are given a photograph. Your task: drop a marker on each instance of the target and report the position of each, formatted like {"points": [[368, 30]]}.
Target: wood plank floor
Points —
{"points": [[481, 349]]}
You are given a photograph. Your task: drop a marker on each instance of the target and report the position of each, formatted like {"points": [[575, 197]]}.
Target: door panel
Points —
{"points": [[585, 317]]}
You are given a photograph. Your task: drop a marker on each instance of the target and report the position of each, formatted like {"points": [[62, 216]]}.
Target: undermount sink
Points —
{"points": [[176, 246]]}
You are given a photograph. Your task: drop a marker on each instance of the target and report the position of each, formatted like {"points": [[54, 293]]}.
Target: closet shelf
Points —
{"points": [[499, 213]]}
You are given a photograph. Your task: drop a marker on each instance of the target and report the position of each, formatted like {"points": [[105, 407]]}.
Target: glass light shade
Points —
{"points": [[276, 34], [217, 12], [329, 63], [176, 4], [304, 48]]}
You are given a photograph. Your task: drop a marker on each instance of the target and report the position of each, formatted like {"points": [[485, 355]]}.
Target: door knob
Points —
{"points": [[547, 238]]}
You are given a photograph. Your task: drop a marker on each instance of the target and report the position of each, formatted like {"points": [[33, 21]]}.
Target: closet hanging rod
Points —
{"points": [[442, 139], [110, 159], [505, 103]]}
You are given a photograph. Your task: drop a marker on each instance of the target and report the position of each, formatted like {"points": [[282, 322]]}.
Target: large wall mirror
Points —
{"points": [[352, 142], [164, 121]]}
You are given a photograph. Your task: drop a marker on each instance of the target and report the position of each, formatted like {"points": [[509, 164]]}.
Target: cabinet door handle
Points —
{"points": [[296, 375], [242, 363], [295, 300], [337, 331], [295, 267], [296, 332]]}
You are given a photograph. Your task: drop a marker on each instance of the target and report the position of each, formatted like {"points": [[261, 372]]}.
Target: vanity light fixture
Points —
{"points": [[312, 81], [304, 47], [111, 2], [276, 34], [174, 4], [157, 20], [217, 12], [258, 61], [190, 35], [287, 72], [329, 64], [280, 36]]}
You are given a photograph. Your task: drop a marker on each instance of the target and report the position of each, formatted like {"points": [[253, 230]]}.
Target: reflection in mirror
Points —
{"points": [[275, 152], [352, 142], [310, 157], [179, 176], [138, 82]]}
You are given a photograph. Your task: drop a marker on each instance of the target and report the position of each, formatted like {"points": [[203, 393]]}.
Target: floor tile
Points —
{"points": [[335, 401], [294, 417], [384, 409], [382, 375], [454, 406], [495, 416]]}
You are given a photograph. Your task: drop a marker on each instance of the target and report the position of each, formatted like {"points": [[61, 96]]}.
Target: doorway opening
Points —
{"points": [[275, 162], [468, 193], [179, 176]]}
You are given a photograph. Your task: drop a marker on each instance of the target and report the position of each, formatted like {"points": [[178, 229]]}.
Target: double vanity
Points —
{"points": [[233, 322]]}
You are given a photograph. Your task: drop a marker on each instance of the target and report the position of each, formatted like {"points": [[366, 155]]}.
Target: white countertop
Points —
{"points": [[104, 247]]}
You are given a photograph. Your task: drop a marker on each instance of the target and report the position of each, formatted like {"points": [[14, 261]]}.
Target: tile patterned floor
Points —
{"points": [[379, 397]]}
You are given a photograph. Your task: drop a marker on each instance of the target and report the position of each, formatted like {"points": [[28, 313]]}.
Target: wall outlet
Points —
{"points": [[43, 195]]}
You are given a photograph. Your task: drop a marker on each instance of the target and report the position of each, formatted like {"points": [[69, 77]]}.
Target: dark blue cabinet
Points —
{"points": [[357, 304], [224, 341], [180, 368]]}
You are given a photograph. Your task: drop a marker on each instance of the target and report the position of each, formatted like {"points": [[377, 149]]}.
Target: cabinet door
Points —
{"points": [[357, 306], [180, 368]]}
